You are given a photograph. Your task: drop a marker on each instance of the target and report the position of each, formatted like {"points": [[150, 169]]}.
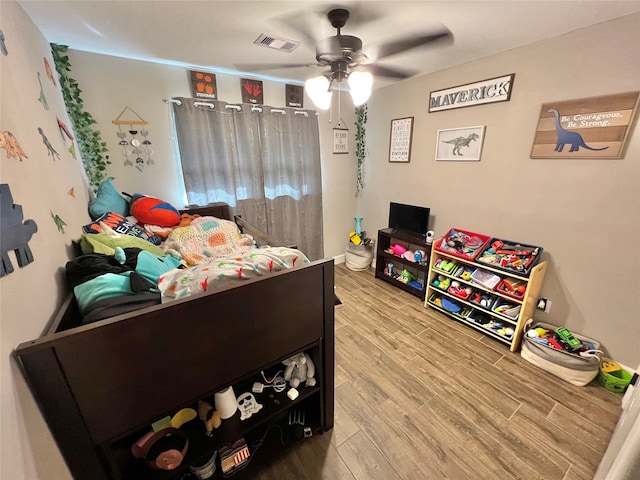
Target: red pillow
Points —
{"points": [[153, 211]]}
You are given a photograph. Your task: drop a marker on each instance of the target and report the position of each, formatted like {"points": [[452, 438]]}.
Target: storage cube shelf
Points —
{"points": [[497, 303], [419, 270]]}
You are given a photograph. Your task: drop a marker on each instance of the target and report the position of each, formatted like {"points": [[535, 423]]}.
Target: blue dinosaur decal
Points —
{"points": [[565, 136], [14, 234]]}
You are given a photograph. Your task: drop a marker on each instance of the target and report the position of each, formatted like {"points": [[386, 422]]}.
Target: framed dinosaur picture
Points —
{"points": [[588, 128], [460, 144]]}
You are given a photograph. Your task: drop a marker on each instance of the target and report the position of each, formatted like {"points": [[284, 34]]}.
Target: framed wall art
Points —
{"points": [[400, 139], [460, 144], [588, 128], [203, 85]]}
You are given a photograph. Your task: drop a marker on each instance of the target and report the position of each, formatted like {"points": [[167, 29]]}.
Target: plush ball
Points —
{"points": [[153, 211]]}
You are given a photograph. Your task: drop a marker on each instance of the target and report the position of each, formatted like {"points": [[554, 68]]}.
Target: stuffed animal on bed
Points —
{"points": [[300, 368]]}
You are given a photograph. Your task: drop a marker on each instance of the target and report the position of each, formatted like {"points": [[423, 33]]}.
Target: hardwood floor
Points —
{"points": [[419, 396]]}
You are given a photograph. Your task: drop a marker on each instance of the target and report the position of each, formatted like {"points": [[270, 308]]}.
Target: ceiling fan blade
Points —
{"points": [[256, 67], [382, 71], [440, 37]]}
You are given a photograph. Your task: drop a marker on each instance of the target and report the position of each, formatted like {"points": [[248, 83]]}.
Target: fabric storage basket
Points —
{"points": [[358, 257], [574, 368]]}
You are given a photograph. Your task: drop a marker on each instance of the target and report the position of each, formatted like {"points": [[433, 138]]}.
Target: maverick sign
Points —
{"points": [[487, 91]]}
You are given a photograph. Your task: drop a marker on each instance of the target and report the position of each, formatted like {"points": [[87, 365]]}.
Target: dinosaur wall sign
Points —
{"points": [[595, 127], [460, 144]]}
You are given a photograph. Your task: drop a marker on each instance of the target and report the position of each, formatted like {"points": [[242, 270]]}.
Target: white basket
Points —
{"points": [[358, 257]]}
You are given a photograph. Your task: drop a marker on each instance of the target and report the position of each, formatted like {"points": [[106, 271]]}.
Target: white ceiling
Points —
{"points": [[217, 35]]}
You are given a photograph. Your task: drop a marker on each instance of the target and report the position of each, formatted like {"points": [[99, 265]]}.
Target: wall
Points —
{"points": [[40, 183], [583, 212], [110, 84]]}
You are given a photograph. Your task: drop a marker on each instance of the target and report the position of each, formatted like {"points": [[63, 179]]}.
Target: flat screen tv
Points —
{"points": [[410, 218]]}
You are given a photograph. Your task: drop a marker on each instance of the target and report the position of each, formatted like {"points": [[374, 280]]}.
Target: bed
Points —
{"points": [[101, 385]]}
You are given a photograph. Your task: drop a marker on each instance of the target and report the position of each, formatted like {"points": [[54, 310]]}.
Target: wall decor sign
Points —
{"points": [[203, 85], [460, 144], [251, 91], [492, 90], [340, 138], [595, 127], [400, 139], [295, 96]]}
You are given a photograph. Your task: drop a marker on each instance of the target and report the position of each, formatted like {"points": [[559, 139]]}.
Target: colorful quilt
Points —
{"points": [[205, 239], [216, 273]]}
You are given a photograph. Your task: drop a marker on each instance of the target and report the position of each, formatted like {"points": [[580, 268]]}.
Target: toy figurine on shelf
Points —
{"points": [[405, 276]]}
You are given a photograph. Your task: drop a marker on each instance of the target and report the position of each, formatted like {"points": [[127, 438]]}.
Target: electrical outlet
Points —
{"points": [[544, 304]]}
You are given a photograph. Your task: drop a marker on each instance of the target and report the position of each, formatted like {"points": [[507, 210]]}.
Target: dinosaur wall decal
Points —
{"points": [[14, 234], [461, 142], [565, 136]]}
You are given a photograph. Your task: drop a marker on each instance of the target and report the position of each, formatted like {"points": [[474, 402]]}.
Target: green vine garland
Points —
{"points": [[92, 148], [361, 133]]}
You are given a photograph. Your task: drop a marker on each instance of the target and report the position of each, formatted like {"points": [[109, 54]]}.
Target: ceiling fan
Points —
{"points": [[345, 57]]}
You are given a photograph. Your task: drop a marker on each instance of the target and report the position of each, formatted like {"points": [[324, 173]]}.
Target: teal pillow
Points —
{"points": [[108, 200]]}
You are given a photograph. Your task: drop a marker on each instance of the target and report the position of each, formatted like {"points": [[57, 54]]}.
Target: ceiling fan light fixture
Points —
{"points": [[360, 84], [319, 90]]}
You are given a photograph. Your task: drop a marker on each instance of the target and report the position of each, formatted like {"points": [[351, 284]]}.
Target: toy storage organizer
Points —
{"points": [[418, 270], [496, 299]]}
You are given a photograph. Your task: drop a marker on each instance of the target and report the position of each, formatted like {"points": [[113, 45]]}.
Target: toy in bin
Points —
{"points": [[445, 265], [462, 244], [442, 282], [560, 339], [511, 256], [464, 272], [459, 291], [512, 287]]}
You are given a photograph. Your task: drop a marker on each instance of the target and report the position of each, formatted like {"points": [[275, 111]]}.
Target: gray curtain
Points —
{"points": [[263, 161]]}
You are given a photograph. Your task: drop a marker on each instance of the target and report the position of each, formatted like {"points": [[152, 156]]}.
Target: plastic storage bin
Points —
{"points": [[462, 243], [518, 258], [486, 279], [512, 288], [616, 381]]}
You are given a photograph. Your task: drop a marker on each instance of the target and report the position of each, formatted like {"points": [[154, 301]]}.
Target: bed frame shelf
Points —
{"points": [[100, 386]]}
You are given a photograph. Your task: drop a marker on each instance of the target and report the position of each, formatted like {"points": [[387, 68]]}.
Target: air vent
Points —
{"points": [[276, 43]]}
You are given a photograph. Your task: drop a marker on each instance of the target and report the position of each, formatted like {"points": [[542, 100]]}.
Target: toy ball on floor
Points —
{"points": [[153, 211]]}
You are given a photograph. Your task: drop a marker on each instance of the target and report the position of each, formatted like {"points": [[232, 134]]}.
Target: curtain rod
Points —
{"points": [[254, 108]]}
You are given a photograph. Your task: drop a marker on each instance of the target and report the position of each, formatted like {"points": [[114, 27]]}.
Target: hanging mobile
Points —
{"points": [[122, 135], [133, 121]]}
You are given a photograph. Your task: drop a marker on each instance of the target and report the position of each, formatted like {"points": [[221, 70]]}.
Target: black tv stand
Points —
{"points": [[411, 241]]}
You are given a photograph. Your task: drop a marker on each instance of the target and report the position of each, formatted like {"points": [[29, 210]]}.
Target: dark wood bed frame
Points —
{"points": [[101, 385]]}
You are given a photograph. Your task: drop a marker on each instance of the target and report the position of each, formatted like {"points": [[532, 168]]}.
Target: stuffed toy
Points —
{"points": [[300, 368], [210, 416]]}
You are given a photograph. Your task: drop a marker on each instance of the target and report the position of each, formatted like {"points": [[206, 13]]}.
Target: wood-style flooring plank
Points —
{"points": [[420, 396], [562, 392], [320, 459], [580, 427], [475, 448], [365, 460]]}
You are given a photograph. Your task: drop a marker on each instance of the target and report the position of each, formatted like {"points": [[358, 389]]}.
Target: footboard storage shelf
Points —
{"points": [[101, 386], [494, 301]]}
